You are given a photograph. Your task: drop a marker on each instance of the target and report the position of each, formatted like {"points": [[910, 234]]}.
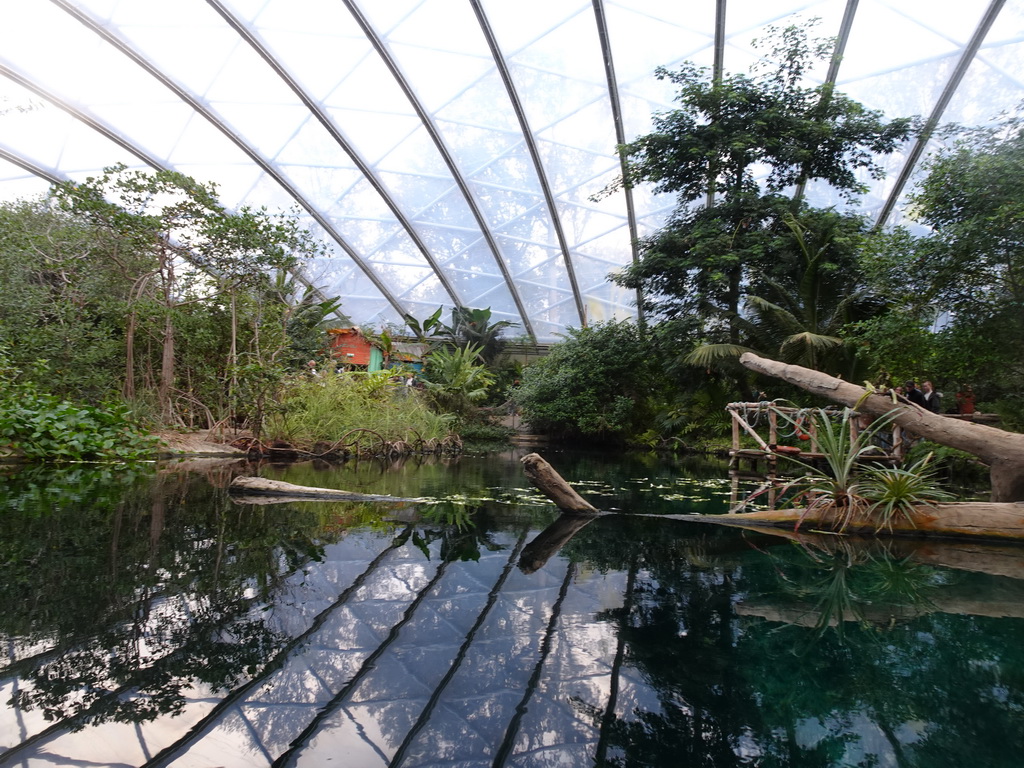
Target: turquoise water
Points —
{"points": [[151, 619]]}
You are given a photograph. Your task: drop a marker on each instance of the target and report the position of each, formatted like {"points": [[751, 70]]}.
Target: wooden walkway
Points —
{"points": [[786, 432]]}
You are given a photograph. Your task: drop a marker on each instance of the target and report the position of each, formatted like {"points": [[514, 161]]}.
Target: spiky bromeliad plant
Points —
{"points": [[849, 489], [898, 491]]}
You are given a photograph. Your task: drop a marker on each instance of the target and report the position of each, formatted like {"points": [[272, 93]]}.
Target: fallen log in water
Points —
{"points": [[259, 486], [969, 519], [551, 484]]}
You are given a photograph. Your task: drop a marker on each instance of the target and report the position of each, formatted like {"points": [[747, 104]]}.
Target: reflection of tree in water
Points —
{"points": [[678, 628], [462, 530], [918, 688], [933, 688], [837, 581], [132, 590]]}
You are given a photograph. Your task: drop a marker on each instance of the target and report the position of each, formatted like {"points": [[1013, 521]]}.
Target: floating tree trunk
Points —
{"points": [[1003, 451], [981, 519], [551, 484], [261, 486]]}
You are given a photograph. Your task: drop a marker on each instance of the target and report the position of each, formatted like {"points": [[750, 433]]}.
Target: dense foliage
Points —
{"points": [[328, 408], [141, 289], [957, 291], [38, 425], [601, 382], [744, 263], [725, 231]]}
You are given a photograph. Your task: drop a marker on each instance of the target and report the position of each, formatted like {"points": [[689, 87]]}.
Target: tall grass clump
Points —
{"points": [[324, 408]]}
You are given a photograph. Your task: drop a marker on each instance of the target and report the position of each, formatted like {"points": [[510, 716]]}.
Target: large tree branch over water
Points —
{"points": [[1003, 451]]}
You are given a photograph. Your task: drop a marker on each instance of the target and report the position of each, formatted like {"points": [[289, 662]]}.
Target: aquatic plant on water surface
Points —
{"points": [[849, 488]]}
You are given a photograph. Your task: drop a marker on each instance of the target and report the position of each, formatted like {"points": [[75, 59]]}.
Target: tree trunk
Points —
{"points": [[973, 519], [167, 358], [129, 364], [167, 368], [1002, 451], [261, 486], [551, 484]]}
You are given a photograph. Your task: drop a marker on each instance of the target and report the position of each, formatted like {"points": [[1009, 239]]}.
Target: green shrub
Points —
{"points": [[44, 427], [324, 408], [36, 425], [602, 382], [456, 380]]}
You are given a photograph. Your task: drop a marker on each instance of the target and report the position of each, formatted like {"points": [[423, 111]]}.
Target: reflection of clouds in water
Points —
{"points": [[680, 627]]}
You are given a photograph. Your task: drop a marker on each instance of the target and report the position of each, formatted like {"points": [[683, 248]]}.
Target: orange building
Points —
{"points": [[349, 347]]}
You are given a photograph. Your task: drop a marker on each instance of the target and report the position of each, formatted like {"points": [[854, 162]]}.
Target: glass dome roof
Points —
{"points": [[448, 150]]}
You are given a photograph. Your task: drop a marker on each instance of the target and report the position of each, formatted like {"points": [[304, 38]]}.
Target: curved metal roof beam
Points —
{"points": [[123, 47], [55, 176], [833, 67], [620, 137], [52, 175], [317, 111], [531, 145], [21, 79], [446, 155], [969, 52]]}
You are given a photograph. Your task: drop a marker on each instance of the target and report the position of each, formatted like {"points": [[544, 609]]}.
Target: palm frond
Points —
{"points": [[809, 340], [710, 355]]}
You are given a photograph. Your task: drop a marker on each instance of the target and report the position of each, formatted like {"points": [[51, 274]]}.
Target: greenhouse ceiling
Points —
{"points": [[449, 151]]}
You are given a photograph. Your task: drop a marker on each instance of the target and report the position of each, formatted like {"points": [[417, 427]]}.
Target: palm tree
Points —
{"points": [[798, 317], [473, 327], [456, 380]]}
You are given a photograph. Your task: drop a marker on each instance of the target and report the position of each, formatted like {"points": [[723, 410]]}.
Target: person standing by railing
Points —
{"points": [[933, 399]]}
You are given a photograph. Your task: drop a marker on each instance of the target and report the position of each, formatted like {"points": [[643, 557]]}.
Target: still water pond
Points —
{"points": [[149, 618]]}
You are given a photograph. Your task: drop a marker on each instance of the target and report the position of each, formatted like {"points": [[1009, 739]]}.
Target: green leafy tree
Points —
{"points": [[708, 151], [305, 315], [798, 312], [956, 293], [189, 249], [430, 326], [602, 382], [473, 327], [456, 379], [66, 287]]}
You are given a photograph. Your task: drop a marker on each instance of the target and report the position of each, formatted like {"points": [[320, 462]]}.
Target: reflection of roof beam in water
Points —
{"points": [[369, 663], [212, 719], [68, 724], [507, 744], [608, 717], [428, 710]]}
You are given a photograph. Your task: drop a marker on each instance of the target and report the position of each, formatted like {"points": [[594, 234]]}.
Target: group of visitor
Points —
{"points": [[926, 396], [930, 398]]}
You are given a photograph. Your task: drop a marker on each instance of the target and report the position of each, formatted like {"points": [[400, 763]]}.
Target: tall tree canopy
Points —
{"points": [[730, 151], [109, 274], [965, 277]]}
